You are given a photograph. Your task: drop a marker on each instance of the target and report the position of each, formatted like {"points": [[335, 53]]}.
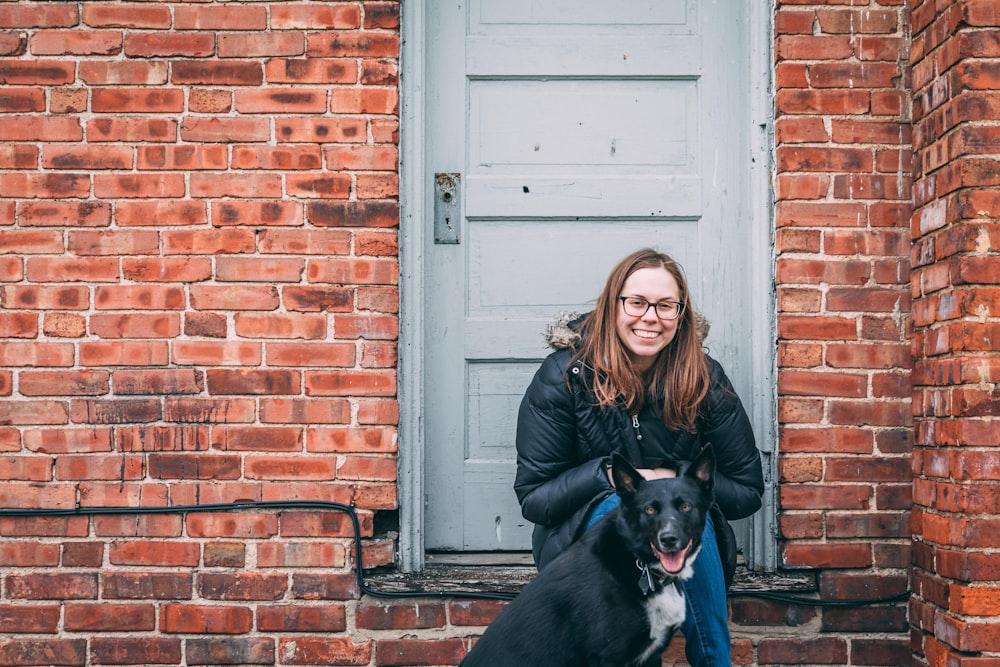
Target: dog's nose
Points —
{"points": [[669, 540]]}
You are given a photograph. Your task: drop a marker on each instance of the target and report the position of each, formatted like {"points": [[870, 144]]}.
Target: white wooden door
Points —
{"points": [[572, 132]]}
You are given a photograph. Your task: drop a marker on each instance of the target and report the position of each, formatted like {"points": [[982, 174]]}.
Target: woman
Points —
{"points": [[632, 377]]}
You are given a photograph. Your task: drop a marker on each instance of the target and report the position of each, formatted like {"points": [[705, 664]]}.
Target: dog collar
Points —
{"points": [[648, 581]]}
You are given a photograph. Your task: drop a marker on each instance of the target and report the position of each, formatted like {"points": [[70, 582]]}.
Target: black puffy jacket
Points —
{"points": [[564, 441]]}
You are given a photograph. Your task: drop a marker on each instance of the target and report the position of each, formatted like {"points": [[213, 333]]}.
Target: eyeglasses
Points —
{"points": [[637, 306]]}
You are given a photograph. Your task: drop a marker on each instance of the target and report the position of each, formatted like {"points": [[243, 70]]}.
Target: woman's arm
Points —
{"points": [[551, 482], [739, 482]]}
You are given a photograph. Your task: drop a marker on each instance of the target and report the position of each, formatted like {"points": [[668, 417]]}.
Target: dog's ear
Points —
{"points": [[703, 466], [627, 479]]}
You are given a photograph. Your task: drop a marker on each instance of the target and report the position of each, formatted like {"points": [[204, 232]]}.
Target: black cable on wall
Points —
{"points": [[778, 596]]}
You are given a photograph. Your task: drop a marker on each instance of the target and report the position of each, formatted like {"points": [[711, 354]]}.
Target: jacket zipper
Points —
{"points": [[635, 425]]}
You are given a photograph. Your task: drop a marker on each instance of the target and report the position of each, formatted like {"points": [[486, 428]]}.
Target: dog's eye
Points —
{"points": [[685, 507], [650, 510]]}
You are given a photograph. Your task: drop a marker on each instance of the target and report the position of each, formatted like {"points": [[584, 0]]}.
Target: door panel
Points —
{"points": [[582, 130]]}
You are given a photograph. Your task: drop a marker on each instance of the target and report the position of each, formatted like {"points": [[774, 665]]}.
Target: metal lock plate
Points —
{"points": [[447, 208]]}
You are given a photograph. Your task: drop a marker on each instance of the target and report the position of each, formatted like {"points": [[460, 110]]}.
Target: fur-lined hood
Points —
{"points": [[563, 333]]}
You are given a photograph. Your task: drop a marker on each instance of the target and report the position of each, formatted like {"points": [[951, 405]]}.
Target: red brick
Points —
{"points": [[32, 651], [819, 650], [181, 158], [351, 383], [31, 241], [202, 100], [305, 242], [22, 100], [311, 354], [287, 468], [244, 586], [230, 650], [365, 100], [865, 619], [260, 186], [126, 15], [207, 242], [806, 383], [123, 353], [51, 441], [225, 130], [127, 72], [831, 555], [43, 619], [204, 619], [259, 439], [137, 100], [311, 70], [39, 15], [302, 618], [284, 157], [75, 42], [20, 554], [65, 383], [300, 411], [476, 612], [211, 325], [262, 269], [218, 73], [320, 130], [222, 17], [264, 44], [403, 616], [156, 130], [138, 650], [103, 411], [162, 438], [310, 17], [419, 651], [144, 185], [16, 156], [151, 382], [353, 214], [302, 554], [381, 15], [51, 586], [35, 354], [61, 214], [324, 524], [37, 72], [104, 617], [199, 410], [333, 651], [188, 466], [44, 186]]}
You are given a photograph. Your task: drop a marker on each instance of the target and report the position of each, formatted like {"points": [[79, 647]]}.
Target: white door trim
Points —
{"points": [[413, 204], [410, 476]]}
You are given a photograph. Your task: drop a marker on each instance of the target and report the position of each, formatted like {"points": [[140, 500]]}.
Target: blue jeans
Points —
{"points": [[706, 623]]}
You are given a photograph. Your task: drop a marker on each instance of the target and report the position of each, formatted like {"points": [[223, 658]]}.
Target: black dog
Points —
{"points": [[612, 598]]}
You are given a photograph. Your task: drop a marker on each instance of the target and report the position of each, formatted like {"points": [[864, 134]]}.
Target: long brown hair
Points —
{"points": [[679, 374]]}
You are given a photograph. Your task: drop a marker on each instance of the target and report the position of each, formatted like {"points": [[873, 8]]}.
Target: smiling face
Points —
{"points": [[644, 336]]}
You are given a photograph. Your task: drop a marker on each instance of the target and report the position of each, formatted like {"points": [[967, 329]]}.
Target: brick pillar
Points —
{"points": [[842, 186], [956, 310]]}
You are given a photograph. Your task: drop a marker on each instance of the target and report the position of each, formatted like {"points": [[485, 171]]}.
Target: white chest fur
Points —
{"points": [[665, 610]]}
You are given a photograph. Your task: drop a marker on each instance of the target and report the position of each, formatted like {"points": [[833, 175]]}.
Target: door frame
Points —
{"points": [[414, 206]]}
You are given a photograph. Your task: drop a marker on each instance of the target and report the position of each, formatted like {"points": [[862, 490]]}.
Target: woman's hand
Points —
{"points": [[649, 473], [657, 473]]}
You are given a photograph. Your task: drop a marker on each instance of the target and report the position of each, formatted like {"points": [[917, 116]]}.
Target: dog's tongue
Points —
{"points": [[672, 561]]}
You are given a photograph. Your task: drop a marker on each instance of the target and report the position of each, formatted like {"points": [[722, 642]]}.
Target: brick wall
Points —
{"points": [[198, 304], [956, 113], [843, 159]]}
